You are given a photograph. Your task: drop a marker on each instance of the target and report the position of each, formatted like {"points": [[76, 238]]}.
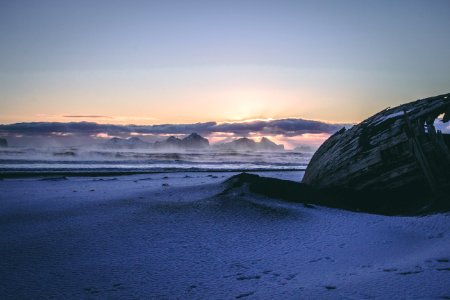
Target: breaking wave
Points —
{"points": [[74, 160]]}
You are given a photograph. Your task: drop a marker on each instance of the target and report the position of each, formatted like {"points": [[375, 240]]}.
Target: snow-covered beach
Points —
{"points": [[178, 236]]}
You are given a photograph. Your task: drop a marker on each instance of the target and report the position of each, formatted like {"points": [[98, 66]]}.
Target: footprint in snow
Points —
{"points": [[438, 236], [244, 295], [290, 276], [91, 290], [117, 286], [248, 277], [390, 270], [319, 259], [410, 272]]}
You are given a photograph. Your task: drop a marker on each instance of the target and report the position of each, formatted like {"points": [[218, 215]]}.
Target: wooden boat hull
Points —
{"points": [[398, 148]]}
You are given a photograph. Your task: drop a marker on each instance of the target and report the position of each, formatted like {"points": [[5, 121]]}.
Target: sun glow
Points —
{"points": [[307, 139]]}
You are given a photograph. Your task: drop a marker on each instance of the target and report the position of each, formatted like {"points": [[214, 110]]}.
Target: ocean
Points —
{"points": [[16, 161]]}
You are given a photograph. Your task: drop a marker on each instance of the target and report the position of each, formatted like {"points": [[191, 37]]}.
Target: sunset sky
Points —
{"points": [[160, 62]]}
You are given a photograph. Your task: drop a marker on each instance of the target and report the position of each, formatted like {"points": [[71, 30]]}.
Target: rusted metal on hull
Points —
{"points": [[396, 148]]}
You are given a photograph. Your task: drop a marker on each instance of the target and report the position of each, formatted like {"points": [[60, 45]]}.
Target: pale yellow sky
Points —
{"points": [[178, 95]]}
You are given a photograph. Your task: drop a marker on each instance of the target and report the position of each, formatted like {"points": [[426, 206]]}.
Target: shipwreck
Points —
{"points": [[397, 149]]}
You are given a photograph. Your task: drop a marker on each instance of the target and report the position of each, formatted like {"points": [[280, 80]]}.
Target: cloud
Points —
{"points": [[47, 128], [87, 116], [286, 127]]}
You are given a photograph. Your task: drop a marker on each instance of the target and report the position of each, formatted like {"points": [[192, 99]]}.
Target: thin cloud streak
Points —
{"points": [[87, 116]]}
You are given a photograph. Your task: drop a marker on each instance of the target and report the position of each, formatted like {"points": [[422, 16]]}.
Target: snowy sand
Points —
{"points": [[175, 236]]}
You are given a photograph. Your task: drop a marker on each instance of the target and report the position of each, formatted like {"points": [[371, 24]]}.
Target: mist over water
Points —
{"points": [[76, 159]]}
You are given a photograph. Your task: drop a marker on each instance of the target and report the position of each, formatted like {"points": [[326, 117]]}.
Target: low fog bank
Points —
{"points": [[137, 148], [133, 156], [172, 143], [92, 157]]}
